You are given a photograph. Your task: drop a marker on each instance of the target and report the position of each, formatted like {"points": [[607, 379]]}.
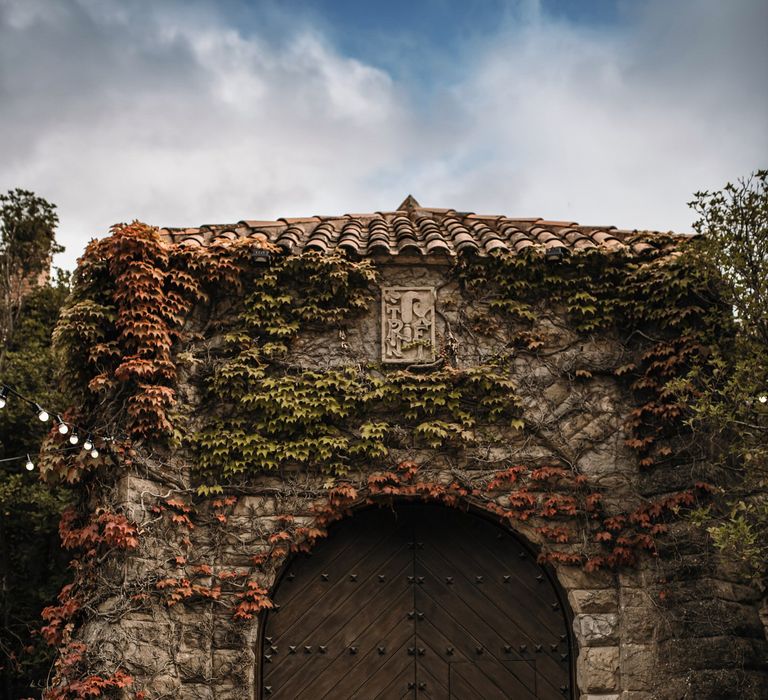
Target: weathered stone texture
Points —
{"points": [[675, 627], [598, 669], [597, 629]]}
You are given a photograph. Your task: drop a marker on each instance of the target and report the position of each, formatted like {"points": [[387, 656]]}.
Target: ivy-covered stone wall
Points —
{"points": [[251, 409]]}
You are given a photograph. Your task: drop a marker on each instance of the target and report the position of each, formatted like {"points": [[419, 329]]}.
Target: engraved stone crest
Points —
{"points": [[408, 324]]}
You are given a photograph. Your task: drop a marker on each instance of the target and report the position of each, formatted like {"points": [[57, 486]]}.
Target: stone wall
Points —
{"points": [[677, 625]]}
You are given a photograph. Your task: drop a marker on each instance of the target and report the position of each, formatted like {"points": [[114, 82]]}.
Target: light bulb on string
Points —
{"points": [[62, 426], [94, 453], [88, 444], [3, 396], [30, 465], [42, 414], [73, 438]]}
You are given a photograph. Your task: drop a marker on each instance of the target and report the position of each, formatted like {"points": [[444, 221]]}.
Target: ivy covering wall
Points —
{"points": [[148, 320]]}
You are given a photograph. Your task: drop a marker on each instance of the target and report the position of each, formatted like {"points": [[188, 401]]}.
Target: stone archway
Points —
{"points": [[423, 601]]}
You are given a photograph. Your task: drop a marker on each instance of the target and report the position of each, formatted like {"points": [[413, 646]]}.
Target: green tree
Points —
{"points": [[32, 566], [27, 246], [731, 404]]}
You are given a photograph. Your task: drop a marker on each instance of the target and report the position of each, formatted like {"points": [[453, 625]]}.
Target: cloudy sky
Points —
{"points": [[185, 112]]}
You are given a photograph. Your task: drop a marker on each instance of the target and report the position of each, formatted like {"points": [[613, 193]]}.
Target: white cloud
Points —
{"points": [[179, 119], [168, 113], [616, 127]]}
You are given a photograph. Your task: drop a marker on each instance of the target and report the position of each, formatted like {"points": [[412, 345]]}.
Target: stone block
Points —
{"points": [[632, 591], [598, 669], [132, 489], [227, 635], [705, 617], [596, 629], [137, 568], [601, 461], [557, 392], [139, 646], [733, 591], [240, 691], [192, 666], [614, 482], [255, 505], [572, 577], [594, 600], [638, 666], [639, 625], [158, 686], [195, 636], [718, 685], [722, 652], [231, 664], [195, 691], [150, 658]]}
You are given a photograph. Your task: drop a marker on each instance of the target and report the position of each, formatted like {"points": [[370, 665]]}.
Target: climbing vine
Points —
{"points": [[131, 295], [192, 354], [668, 314], [92, 538]]}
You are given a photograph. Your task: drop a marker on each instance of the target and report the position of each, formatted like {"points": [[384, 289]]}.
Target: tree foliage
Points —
{"points": [[27, 244], [32, 567], [733, 223], [731, 405]]}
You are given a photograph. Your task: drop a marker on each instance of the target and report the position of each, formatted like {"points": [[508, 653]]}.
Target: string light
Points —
{"points": [[26, 459], [42, 414], [763, 398], [62, 427]]}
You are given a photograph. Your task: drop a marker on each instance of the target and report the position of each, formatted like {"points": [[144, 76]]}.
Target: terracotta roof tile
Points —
{"points": [[416, 230], [557, 224], [300, 220], [228, 235], [259, 224], [194, 240]]}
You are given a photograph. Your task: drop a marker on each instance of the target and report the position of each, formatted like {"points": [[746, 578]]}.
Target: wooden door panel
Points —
{"points": [[384, 637], [503, 612], [333, 583], [467, 679], [320, 643], [420, 602], [376, 663], [391, 686]]}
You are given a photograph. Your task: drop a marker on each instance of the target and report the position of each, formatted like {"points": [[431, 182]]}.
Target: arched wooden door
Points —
{"points": [[420, 602]]}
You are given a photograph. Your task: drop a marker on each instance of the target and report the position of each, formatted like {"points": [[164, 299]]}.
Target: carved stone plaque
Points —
{"points": [[408, 324]]}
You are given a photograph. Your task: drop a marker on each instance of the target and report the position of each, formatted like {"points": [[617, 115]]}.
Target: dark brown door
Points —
{"points": [[420, 602]]}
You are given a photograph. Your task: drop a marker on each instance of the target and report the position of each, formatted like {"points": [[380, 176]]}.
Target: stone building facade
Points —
{"points": [[191, 610]]}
